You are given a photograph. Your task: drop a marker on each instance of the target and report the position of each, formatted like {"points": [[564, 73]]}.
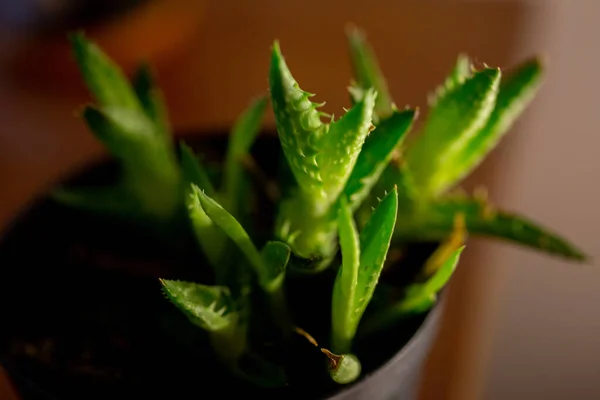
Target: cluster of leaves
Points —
{"points": [[333, 173], [468, 115]]}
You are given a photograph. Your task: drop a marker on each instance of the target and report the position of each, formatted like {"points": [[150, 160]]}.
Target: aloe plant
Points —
{"points": [[130, 120], [349, 190]]}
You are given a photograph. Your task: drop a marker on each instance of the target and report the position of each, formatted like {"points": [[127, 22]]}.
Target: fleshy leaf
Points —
{"points": [[210, 237], [298, 124], [241, 139], [269, 273], [209, 307], [121, 123], [233, 229], [268, 266], [376, 154], [149, 167], [152, 101], [420, 297], [363, 257], [367, 71], [342, 145], [517, 90], [452, 122], [436, 221], [443, 274], [275, 256], [122, 131], [375, 240], [103, 77], [345, 286]]}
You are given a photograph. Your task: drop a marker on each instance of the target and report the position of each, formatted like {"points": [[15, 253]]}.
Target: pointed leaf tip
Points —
{"points": [[103, 77], [341, 147], [276, 44], [439, 280], [299, 127], [457, 115], [516, 90], [210, 307]]}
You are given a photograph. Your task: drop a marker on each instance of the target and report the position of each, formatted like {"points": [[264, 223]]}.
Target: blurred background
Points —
{"points": [[518, 325]]}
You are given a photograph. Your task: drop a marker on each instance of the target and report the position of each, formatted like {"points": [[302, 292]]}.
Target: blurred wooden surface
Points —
{"points": [[226, 64]]}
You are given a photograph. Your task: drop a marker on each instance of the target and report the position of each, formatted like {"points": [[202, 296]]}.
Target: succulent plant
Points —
{"points": [[349, 188]]}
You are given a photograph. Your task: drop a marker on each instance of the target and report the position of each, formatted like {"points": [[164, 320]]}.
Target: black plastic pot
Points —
{"points": [[83, 316]]}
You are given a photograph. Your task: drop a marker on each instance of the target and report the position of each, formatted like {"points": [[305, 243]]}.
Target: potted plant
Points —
{"points": [[305, 264]]}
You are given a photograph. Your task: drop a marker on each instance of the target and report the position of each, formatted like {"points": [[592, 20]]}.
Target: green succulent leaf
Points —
{"points": [[420, 297], [436, 221], [149, 168], [232, 228], [345, 286], [121, 130], [516, 92], [456, 117], [321, 156], [149, 185], [210, 307], [270, 265], [363, 257], [443, 274], [376, 154], [209, 236], [375, 239], [213, 309], [128, 126], [298, 124], [368, 73], [103, 77], [241, 139], [342, 145], [152, 101]]}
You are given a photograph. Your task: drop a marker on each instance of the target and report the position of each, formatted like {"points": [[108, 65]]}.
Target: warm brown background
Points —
{"points": [[225, 64]]}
